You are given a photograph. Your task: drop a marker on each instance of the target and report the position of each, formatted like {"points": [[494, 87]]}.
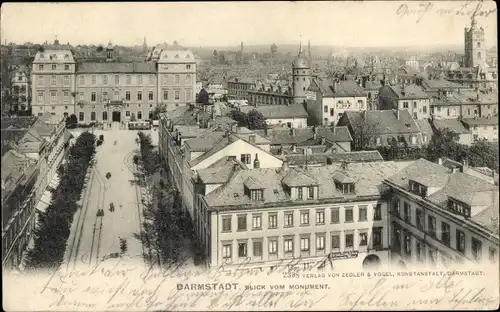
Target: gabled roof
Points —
{"points": [[54, 56], [451, 124], [297, 177], [410, 91], [357, 156], [480, 121], [221, 171], [205, 142], [434, 84], [278, 111], [343, 88], [385, 121], [285, 136]]}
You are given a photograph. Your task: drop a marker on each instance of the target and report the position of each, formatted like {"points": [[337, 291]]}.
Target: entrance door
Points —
{"points": [[116, 116]]}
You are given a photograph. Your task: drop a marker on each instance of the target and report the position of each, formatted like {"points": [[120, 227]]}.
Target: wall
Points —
{"points": [[218, 237], [295, 122], [186, 86], [489, 132], [445, 111], [236, 149], [418, 108]]}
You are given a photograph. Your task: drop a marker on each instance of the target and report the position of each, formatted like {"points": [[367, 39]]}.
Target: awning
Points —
{"points": [[44, 202]]}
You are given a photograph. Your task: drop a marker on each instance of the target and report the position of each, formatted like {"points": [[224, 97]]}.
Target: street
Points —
{"points": [[94, 238]]}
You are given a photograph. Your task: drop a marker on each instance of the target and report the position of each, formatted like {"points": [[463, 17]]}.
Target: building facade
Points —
{"points": [[20, 90], [408, 97]]}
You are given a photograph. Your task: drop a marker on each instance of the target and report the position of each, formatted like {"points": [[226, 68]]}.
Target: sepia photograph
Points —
{"points": [[249, 156]]}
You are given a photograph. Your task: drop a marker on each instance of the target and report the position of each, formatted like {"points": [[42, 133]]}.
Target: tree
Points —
{"points": [[240, 117], [256, 120], [132, 117], [159, 109], [71, 121], [364, 134], [444, 143], [203, 97], [100, 48]]}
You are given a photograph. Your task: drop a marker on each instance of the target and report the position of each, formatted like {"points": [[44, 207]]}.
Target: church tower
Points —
{"points": [[475, 49], [301, 75], [145, 46]]}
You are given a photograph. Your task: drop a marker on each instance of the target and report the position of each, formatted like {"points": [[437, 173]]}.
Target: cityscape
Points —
{"points": [[256, 154]]}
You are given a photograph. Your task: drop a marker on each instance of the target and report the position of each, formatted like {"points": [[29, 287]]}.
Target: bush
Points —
{"points": [[99, 143], [101, 137]]}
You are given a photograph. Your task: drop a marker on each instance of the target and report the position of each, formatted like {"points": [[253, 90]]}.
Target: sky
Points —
{"points": [[349, 24]]}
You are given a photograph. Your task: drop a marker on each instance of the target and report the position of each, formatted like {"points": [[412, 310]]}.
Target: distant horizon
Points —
{"points": [[226, 24]]}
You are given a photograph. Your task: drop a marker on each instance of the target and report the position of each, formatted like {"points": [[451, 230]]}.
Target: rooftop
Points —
{"points": [[281, 136], [411, 91], [385, 121], [367, 176], [451, 124], [481, 121], [87, 67], [54, 56], [343, 88], [278, 111]]}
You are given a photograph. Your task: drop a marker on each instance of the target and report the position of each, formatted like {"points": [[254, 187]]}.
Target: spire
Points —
{"points": [[473, 21], [300, 44]]}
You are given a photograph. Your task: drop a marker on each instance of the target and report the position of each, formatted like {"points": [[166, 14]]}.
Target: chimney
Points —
{"points": [[294, 148], [333, 129], [293, 131], [251, 138], [315, 136], [465, 162], [440, 161], [323, 140], [197, 118], [256, 162], [285, 165]]}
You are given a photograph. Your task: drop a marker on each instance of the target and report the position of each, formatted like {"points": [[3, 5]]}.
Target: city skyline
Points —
{"points": [[187, 23]]}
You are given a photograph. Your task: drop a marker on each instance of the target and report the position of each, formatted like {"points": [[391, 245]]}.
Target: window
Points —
{"points": [[93, 79], [104, 115], [405, 104], [476, 249], [151, 79], [139, 79], [53, 95], [363, 239], [492, 255], [127, 113], [432, 226], [273, 246], [242, 250], [139, 95], [92, 116], [257, 249], [363, 213], [165, 95], [348, 214], [139, 115], [256, 194], [420, 219], [310, 191], [81, 96], [226, 224], [150, 95], [177, 79], [349, 240], [105, 79], [40, 67], [406, 212], [188, 79], [378, 141], [129, 79], [257, 222], [377, 237], [414, 104], [81, 116], [335, 241], [420, 251], [242, 223], [40, 97], [332, 112], [127, 95], [325, 109], [407, 243], [245, 158], [424, 109], [320, 216], [188, 66], [320, 241], [461, 241], [445, 233], [288, 245], [304, 218], [377, 212], [304, 244], [335, 215], [432, 256], [273, 221], [53, 80], [165, 79], [188, 95], [66, 97], [226, 251], [66, 80], [288, 219], [54, 67], [117, 79], [92, 96], [299, 192], [176, 94]]}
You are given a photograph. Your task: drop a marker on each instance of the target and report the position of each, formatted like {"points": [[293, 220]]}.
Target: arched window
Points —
{"points": [[104, 115], [479, 55], [479, 44]]}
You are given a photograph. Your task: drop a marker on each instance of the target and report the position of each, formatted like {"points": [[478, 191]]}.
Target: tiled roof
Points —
{"points": [[480, 121], [221, 120], [18, 122], [221, 171], [440, 84], [217, 145], [358, 156], [176, 55], [283, 136], [190, 131], [451, 124], [116, 68], [297, 177], [205, 142], [372, 85], [278, 111], [424, 172], [245, 133], [368, 177], [344, 88], [410, 91], [385, 121], [425, 127]]}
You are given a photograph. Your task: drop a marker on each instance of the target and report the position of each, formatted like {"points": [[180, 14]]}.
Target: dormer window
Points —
{"points": [[458, 207], [418, 188], [253, 189], [345, 188], [256, 194]]}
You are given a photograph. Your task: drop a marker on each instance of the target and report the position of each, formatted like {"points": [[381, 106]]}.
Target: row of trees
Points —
{"points": [[164, 226], [54, 224], [254, 120]]}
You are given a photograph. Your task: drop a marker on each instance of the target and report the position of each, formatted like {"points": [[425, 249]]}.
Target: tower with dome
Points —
{"points": [[301, 75]]}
